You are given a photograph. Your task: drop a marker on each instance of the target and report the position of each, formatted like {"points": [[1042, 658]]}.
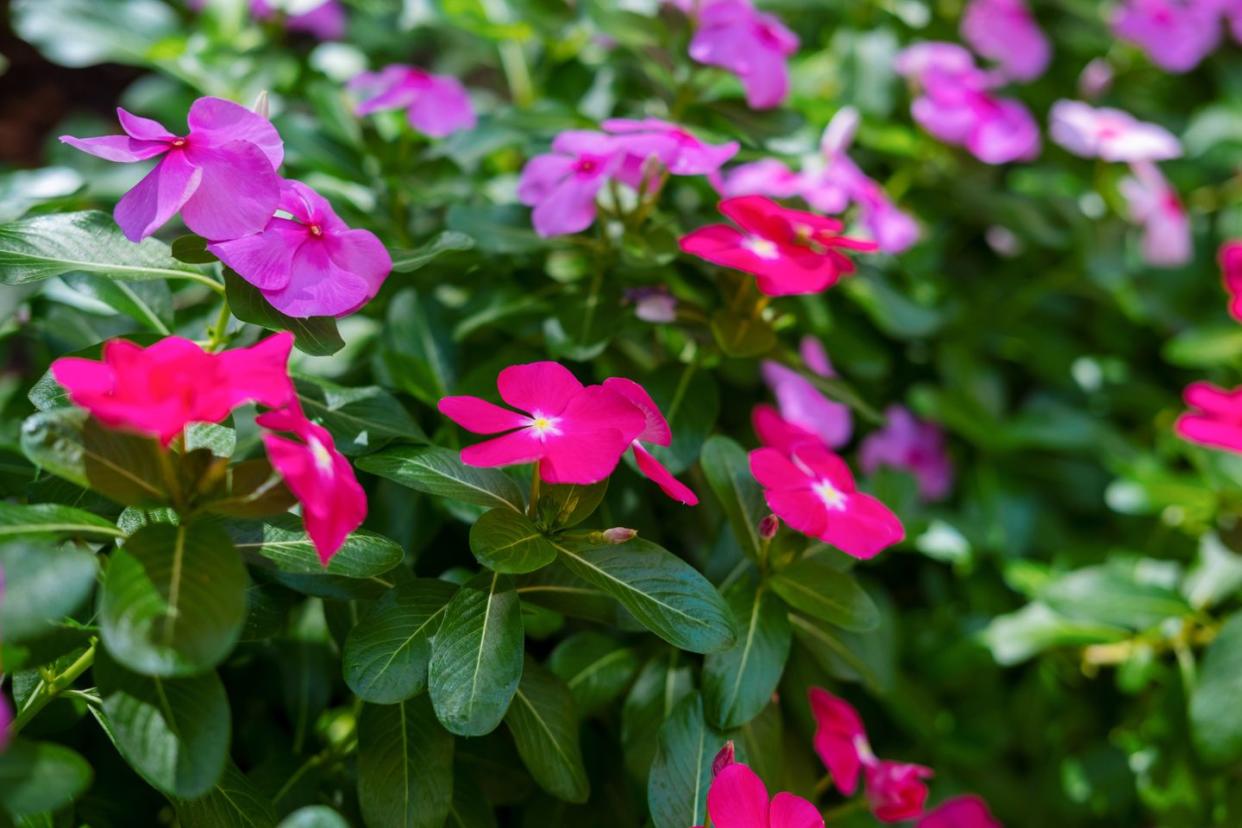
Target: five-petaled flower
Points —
{"points": [[1155, 206], [562, 185], [912, 445], [804, 409], [1215, 418], [753, 45], [738, 798], [677, 149], [1175, 34], [436, 105], [1109, 134]]}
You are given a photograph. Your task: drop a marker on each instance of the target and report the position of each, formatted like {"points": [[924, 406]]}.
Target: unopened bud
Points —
{"points": [[723, 759], [768, 527], [619, 534], [262, 106]]}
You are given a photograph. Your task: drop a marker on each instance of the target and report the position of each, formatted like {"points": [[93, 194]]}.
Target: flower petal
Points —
{"points": [[544, 387], [238, 193], [479, 416], [790, 811], [655, 429], [318, 287], [215, 122], [513, 448], [775, 471], [158, 196], [142, 129], [120, 148], [264, 259], [738, 799], [864, 528], [656, 473]]}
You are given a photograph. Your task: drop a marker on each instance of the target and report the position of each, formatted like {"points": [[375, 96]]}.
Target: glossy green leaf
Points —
{"points": [[661, 685], [316, 335], [728, 473], [739, 682], [1215, 716], [147, 303], [448, 241], [54, 521], [359, 419], [405, 766], [544, 724], [314, 816], [1114, 595], [440, 472], [233, 802], [563, 506], [596, 668], [281, 542], [814, 586], [40, 776], [42, 584], [681, 772], [506, 541]]}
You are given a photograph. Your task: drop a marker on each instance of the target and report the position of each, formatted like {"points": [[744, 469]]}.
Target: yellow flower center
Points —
{"points": [[832, 497]]}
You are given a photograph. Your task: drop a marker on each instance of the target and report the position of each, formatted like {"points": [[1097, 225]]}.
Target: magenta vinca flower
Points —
{"points": [[912, 445], [1154, 205], [960, 812], [1006, 32], [754, 46], [1109, 134], [1230, 259], [1175, 34], [221, 175], [324, 19], [802, 404], [311, 264], [738, 798], [576, 434], [562, 185], [436, 105], [1215, 418], [678, 150], [655, 431]]}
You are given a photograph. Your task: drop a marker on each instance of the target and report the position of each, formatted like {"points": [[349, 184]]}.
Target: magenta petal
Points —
{"points": [[238, 193], [318, 287], [538, 387], [263, 259], [157, 197], [802, 509], [738, 799], [540, 177], [597, 408], [569, 208], [361, 253], [442, 108], [584, 457], [143, 129], [480, 416], [656, 473], [260, 373], [774, 470], [655, 429], [518, 447], [864, 529], [215, 122], [120, 148], [790, 811]]}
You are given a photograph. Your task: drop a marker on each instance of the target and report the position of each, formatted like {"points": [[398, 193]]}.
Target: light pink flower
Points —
{"points": [[912, 445], [436, 105], [1095, 79], [739, 799], [1175, 34], [325, 20], [656, 431], [1155, 206], [1005, 31], [576, 434], [333, 502], [804, 405], [221, 175], [755, 46], [896, 790], [677, 149], [767, 177], [960, 812], [1215, 418], [812, 490], [562, 185], [311, 264], [1109, 134], [1230, 258]]}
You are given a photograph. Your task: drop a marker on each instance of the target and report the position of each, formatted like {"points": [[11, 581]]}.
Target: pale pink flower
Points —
{"points": [[1155, 206], [804, 405], [1109, 134], [436, 105], [1006, 32]]}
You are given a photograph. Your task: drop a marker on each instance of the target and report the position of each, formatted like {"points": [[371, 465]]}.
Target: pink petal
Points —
{"points": [[264, 259], [896, 790], [839, 737], [361, 253], [83, 378], [596, 408], [540, 177], [656, 428], [538, 387], [774, 471], [326, 21], [238, 192], [318, 287], [826, 465], [442, 108], [789, 811], [215, 122], [569, 207], [158, 196], [738, 799], [517, 447], [864, 528], [583, 458], [767, 83], [480, 416], [815, 357], [121, 148], [260, 373], [802, 509], [960, 812], [143, 129], [1209, 432], [656, 473], [774, 431]]}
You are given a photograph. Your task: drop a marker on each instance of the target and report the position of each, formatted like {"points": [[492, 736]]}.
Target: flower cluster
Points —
{"points": [[1177, 34]]}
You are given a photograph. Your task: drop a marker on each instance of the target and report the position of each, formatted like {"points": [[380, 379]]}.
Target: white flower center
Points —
{"points": [[543, 426], [832, 497], [761, 247], [323, 457]]}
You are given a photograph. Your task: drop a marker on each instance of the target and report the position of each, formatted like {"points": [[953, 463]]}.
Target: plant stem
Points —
{"points": [[219, 330], [196, 277], [48, 690]]}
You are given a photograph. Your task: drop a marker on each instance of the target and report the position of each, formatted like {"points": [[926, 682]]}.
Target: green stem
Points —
{"points": [[48, 690], [219, 331], [193, 277]]}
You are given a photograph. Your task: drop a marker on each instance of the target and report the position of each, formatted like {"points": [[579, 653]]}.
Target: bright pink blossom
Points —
{"points": [[788, 251], [912, 445], [562, 185], [805, 406], [1006, 32], [739, 799], [1155, 206], [436, 105], [1109, 134], [655, 431], [960, 812], [1215, 418], [753, 45], [576, 434], [1230, 258], [221, 175], [160, 389], [311, 264], [678, 150], [324, 20], [812, 490], [1175, 34], [896, 791], [333, 502]]}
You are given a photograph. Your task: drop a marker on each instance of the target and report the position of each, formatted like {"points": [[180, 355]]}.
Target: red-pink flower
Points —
{"points": [[333, 502], [896, 790], [436, 105], [912, 445], [562, 185], [312, 264], [812, 490], [576, 434], [677, 149], [160, 389], [1230, 258], [788, 251], [739, 799], [655, 431], [960, 812], [1155, 206], [1215, 418], [221, 175], [1005, 31], [755, 46]]}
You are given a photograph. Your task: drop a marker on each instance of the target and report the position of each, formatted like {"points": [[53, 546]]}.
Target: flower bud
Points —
{"points": [[262, 106], [619, 534], [768, 527], [723, 759]]}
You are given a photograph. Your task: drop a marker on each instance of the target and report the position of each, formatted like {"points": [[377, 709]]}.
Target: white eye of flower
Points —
{"points": [[832, 497], [761, 247], [323, 457], [543, 426]]}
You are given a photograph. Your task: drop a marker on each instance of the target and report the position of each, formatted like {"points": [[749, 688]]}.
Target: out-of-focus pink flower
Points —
{"points": [[912, 445], [755, 46], [1109, 134], [739, 799], [804, 405], [1215, 418], [1230, 258], [1095, 79], [653, 304], [677, 149], [562, 185], [654, 431], [1175, 34], [1005, 31], [896, 790], [311, 264], [324, 20], [774, 431], [767, 177], [436, 105], [788, 251], [333, 502], [960, 812], [812, 490], [221, 175], [160, 389], [576, 434], [1154, 204]]}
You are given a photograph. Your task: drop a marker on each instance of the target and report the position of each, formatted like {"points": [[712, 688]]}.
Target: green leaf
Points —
{"points": [[448, 241], [314, 816], [556, 588], [233, 802], [682, 770], [664, 593], [506, 541], [835, 653], [173, 732], [418, 356], [359, 419], [173, 599], [53, 520], [596, 668], [476, 658], [439, 471], [544, 725], [251, 489], [386, 653], [281, 542], [40, 776], [1215, 715], [1016, 636], [661, 685], [147, 303], [315, 335], [42, 584], [40, 247], [503, 229], [690, 401], [1113, 594], [739, 682], [728, 473], [566, 505], [82, 33], [192, 249], [816, 587], [405, 766]]}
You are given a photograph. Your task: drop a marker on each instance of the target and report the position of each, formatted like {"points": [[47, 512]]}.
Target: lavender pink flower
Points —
{"points": [[436, 105], [802, 404], [1175, 34], [562, 185], [753, 45], [1109, 134], [1006, 32], [912, 445], [324, 19], [677, 149], [1155, 206]]}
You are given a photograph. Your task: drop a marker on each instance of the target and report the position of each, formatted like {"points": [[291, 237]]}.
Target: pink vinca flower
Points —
{"points": [[896, 791], [1215, 418], [1230, 258], [739, 799], [1109, 134], [812, 490], [1175, 34], [562, 185], [221, 175], [436, 105], [960, 812], [1155, 206], [311, 264], [788, 251], [576, 434], [912, 445], [324, 19], [1006, 32], [160, 389], [802, 404], [754, 46], [677, 150], [655, 431], [333, 502]]}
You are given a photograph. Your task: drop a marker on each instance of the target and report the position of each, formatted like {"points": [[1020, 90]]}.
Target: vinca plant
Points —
{"points": [[673, 413]]}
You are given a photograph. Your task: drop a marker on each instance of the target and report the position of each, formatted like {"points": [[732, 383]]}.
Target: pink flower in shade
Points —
{"points": [[576, 434], [912, 445], [803, 405], [311, 264], [1109, 134], [788, 251], [960, 812], [160, 389], [734, 36], [333, 502], [767, 177], [436, 105], [221, 175], [1153, 204], [739, 799], [679, 151], [1230, 258], [656, 431], [1215, 418], [1095, 79], [324, 20], [812, 490], [562, 185], [1175, 34], [896, 790], [1005, 31]]}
